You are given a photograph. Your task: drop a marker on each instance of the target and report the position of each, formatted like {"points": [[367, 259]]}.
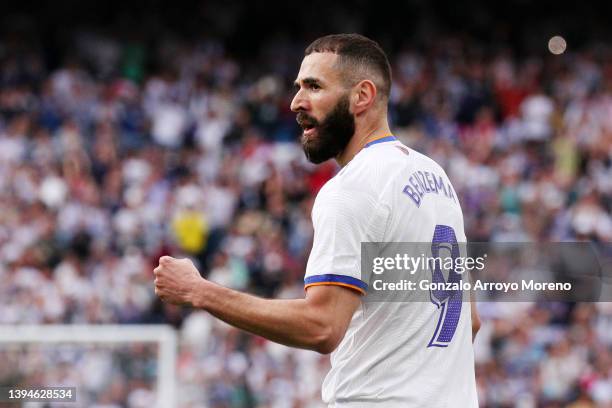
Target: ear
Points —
{"points": [[364, 96]]}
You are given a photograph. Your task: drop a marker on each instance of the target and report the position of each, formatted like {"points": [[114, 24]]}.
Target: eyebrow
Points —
{"points": [[307, 81]]}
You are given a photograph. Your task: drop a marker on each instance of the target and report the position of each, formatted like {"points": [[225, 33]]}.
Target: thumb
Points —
{"points": [[164, 260]]}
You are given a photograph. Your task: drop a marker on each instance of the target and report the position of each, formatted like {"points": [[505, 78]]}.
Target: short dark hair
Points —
{"points": [[359, 56]]}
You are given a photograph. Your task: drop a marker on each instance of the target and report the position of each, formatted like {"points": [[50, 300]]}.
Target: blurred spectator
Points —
{"points": [[107, 163]]}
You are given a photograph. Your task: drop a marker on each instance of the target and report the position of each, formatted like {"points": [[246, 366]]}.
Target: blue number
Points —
{"points": [[448, 301]]}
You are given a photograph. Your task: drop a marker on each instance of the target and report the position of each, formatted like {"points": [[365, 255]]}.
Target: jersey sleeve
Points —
{"points": [[342, 220]]}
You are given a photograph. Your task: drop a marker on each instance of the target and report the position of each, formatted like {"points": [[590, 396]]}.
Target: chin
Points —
{"points": [[309, 140]]}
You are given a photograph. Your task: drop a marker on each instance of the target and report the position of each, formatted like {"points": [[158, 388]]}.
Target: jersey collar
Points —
{"points": [[383, 139]]}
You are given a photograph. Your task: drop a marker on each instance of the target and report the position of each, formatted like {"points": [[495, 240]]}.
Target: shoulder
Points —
{"points": [[422, 160], [372, 167], [360, 185]]}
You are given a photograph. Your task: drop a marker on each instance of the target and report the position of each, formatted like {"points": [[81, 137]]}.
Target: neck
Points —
{"points": [[363, 136]]}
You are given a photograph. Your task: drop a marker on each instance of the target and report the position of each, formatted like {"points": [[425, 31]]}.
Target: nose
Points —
{"points": [[299, 102]]}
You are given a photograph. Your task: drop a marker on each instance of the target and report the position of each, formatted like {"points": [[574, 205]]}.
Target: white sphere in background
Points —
{"points": [[557, 45]]}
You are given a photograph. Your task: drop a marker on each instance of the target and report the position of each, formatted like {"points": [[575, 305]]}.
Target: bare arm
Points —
{"points": [[475, 316], [317, 322]]}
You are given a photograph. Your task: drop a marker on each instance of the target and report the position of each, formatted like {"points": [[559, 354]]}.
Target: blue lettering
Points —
{"points": [[423, 182], [415, 185], [430, 182], [418, 179], [440, 184], [451, 193], [412, 194]]}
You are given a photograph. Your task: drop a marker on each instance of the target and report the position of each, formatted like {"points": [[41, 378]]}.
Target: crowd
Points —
{"points": [[109, 376], [106, 164]]}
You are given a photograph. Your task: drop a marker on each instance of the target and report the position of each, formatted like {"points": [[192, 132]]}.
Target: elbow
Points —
{"points": [[326, 341], [326, 347]]}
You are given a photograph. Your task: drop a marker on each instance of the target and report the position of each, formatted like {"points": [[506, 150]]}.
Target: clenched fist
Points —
{"points": [[177, 281]]}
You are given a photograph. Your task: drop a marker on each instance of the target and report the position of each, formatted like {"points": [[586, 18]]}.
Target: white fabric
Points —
{"points": [[384, 359]]}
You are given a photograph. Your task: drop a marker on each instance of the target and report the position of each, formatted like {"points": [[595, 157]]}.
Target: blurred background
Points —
{"points": [[132, 131]]}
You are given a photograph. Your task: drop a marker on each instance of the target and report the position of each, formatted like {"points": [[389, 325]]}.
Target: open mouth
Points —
{"points": [[308, 129], [308, 124]]}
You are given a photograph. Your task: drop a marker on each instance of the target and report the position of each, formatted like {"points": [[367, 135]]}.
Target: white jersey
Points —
{"points": [[393, 354]]}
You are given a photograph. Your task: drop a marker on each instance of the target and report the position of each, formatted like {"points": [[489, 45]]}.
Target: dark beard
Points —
{"points": [[333, 133]]}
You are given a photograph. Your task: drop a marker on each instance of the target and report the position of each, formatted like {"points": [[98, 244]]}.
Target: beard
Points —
{"points": [[332, 135]]}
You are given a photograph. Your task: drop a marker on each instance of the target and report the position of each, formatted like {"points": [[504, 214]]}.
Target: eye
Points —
{"points": [[314, 87]]}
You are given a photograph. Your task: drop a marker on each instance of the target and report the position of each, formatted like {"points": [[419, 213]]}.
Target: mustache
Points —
{"points": [[304, 119]]}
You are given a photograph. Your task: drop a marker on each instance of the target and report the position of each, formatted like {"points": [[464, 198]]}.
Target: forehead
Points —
{"points": [[319, 65]]}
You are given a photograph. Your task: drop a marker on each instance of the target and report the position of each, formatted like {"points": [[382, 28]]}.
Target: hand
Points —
{"points": [[177, 280]]}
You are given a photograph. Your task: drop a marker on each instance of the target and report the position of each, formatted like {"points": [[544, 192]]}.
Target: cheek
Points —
{"points": [[322, 104]]}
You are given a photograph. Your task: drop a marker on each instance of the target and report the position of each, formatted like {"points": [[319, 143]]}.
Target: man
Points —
{"points": [[384, 354]]}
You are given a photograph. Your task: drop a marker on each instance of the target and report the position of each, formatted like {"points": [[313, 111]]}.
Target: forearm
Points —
{"points": [[294, 322]]}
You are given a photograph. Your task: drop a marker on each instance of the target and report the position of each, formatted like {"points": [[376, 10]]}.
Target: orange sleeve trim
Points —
{"points": [[358, 289]]}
